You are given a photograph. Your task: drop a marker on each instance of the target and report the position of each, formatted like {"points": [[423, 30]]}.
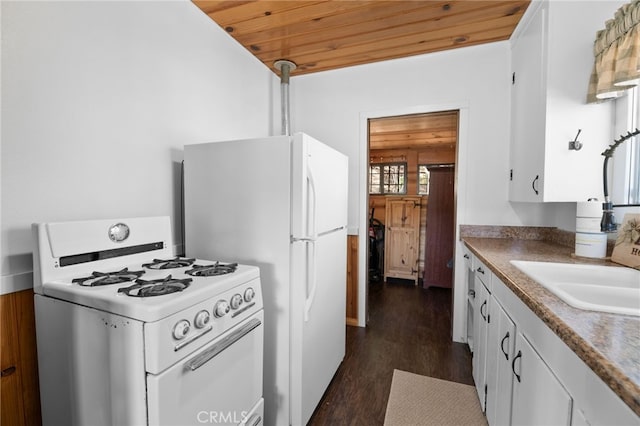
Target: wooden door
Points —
{"points": [[402, 216], [439, 234]]}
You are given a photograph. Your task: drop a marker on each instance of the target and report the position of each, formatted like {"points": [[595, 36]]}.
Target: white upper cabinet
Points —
{"points": [[551, 61], [528, 59]]}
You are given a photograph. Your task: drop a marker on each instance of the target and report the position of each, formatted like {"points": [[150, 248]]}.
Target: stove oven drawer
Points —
{"points": [[219, 384]]}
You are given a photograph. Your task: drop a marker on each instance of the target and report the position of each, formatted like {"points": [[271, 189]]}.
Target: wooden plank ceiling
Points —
{"points": [[418, 131], [325, 35]]}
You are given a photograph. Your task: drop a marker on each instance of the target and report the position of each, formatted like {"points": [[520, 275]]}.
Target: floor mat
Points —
{"points": [[420, 400]]}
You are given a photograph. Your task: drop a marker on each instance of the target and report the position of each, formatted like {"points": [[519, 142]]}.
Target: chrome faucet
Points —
{"points": [[608, 224]]}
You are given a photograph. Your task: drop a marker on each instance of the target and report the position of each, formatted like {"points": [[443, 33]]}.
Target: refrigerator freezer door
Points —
{"points": [[320, 181]]}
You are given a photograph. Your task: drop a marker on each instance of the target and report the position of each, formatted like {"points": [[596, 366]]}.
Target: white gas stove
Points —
{"points": [[128, 333]]}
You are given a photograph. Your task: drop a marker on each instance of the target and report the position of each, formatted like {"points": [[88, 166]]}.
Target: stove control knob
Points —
{"points": [[236, 301], [249, 294], [221, 309], [181, 329], [202, 318]]}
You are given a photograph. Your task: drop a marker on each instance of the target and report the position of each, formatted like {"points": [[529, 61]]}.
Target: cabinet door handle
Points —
{"points": [[513, 365], [472, 293], [466, 256], [506, 336], [480, 270], [533, 184], [8, 371], [482, 314]]}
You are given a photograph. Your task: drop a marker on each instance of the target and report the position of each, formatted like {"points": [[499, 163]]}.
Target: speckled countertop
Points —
{"points": [[609, 344]]}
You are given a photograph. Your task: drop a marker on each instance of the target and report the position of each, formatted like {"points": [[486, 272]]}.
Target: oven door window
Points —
{"points": [[218, 384]]}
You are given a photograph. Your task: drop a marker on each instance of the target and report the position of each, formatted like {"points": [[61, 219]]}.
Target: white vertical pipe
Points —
{"points": [[285, 67]]}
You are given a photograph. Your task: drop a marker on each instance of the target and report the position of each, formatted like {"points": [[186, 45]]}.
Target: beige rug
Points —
{"points": [[420, 400]]}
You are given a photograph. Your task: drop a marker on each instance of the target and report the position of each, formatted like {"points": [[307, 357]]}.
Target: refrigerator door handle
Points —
{"points": [[312, 211], [311, 271]]}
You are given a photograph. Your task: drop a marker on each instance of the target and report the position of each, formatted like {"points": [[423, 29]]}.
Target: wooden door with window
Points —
{"points": [[440, 234], [402, 237]]}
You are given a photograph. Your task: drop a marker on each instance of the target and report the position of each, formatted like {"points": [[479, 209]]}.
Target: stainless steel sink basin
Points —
{"points": [[592, 287]]}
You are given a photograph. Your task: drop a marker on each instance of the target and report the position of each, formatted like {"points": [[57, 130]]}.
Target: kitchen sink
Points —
{"points": [[592, 287]]}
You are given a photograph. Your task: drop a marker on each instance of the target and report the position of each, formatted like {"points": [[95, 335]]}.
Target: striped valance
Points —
{"points": [[617, 55]]}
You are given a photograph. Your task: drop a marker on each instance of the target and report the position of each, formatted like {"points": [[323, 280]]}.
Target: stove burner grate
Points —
{"points": [[108, 278], [177, 262], [212, 270], [159, 287]]}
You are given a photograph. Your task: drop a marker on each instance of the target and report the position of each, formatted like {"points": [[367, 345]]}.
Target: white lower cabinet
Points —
{"points": [[514, 384], [525, 374], [521, 389], [538, 397], [480, 333], [471, 294], [501, 343]]}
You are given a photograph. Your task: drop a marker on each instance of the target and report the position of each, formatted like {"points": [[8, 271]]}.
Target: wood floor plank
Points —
{"points": [[409, 329]]}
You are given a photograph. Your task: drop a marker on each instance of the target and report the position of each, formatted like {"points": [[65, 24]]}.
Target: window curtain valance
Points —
{"points": [[617, 55]]}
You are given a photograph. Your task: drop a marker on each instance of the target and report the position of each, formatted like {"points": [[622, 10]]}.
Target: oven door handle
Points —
{"points": [[223, 344], [254, 420]]}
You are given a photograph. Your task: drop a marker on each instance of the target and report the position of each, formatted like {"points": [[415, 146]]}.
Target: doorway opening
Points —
{"points": [[411, 198]]}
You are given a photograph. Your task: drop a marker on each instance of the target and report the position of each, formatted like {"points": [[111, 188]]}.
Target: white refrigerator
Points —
{"points": [[279, 203]]}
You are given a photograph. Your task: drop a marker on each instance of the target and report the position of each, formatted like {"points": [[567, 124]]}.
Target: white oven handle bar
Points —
{"points": [[254, 420], [223, 344]]}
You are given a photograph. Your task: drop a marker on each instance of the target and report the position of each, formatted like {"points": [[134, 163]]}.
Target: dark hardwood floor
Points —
{"points": [[409, 329]]}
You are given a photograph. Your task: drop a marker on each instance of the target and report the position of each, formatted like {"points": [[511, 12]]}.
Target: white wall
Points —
{"points": [[98, 99], [333, 106], [328, 106]]}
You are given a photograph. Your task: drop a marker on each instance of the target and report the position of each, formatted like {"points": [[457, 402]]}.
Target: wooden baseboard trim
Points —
{"points": [[353, 322]]}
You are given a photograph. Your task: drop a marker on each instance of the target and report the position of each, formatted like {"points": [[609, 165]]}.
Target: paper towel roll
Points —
{"points": [[588, 224], [589, 209], [591, 245], [588, 216]]}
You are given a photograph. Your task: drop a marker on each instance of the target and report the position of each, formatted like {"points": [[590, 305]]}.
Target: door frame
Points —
{"points": [[459, 296]]}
